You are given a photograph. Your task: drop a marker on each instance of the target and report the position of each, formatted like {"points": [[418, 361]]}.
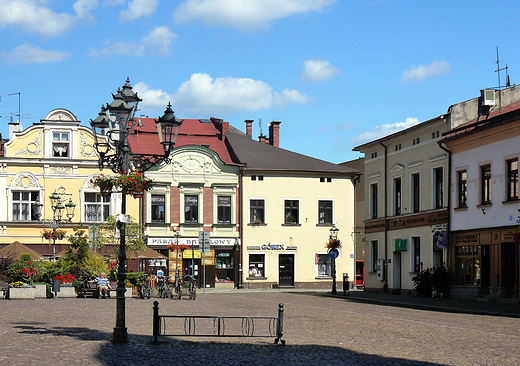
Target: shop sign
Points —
{"points": [[190, 241], [400, 245], [465, 238], [272, 247]]}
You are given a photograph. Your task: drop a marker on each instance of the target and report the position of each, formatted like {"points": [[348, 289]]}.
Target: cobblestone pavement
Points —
{"points": [[319, 330]]}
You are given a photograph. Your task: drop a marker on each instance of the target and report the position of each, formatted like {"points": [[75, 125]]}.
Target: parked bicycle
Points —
{"points": [[163, 286], [178, 288], [192, 289], [143, 290]]}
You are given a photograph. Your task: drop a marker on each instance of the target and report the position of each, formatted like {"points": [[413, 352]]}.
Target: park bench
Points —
{"points": [[90, 289], [4, 287]]}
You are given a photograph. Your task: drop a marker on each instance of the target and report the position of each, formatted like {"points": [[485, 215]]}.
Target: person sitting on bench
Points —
{"points": [[103, 285]]}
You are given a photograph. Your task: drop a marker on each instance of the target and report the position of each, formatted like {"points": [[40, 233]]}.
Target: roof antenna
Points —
{"points": [[260, 125], [508, 83]]}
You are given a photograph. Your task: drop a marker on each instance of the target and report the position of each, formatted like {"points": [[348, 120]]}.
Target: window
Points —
{"points": [[224, 209], [374, 255], [323, 265], [397, 196], [374, 155], [97, 207], [158, 213], [22, 205], [438, 192], [325, 212], [373, 201], [256, 265], [260, 177], [60, 144], [512, 179], [485, 184], [257, 211], [191, 209], [416, 141], [416, 192], [397, 147], [462, 183], [291, 212], [416, 246], [472, 265]]}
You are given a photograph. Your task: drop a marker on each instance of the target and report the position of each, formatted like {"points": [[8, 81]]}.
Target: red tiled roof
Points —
{"points": [[144, 139]]}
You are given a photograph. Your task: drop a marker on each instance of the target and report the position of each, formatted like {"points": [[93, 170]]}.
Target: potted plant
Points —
{"points": [[133, 183], [51, 234], [334, 243], [104, 182], [181, 247]]}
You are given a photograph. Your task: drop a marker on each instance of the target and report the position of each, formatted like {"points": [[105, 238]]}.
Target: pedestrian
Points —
{"points": [[103, 285]]}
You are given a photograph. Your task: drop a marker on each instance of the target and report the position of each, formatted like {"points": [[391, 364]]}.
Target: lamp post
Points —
{"points": [[57, 221], [333, 254], [111, 129]]}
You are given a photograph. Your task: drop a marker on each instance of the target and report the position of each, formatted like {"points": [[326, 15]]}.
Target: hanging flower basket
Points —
{"points": [[50, 234], [106, 189], [181, 247], [133, 182], [138, 193], [104, 182], [334, 243]]}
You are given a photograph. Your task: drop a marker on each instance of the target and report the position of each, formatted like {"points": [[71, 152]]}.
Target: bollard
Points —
{"points": [[156, 321], [346, 284], [279, 335]]}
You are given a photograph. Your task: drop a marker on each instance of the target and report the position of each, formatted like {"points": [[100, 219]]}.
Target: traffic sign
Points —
{"points": [[334, 253]]}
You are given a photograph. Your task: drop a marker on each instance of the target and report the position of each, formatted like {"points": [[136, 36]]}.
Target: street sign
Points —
{"points": [[334, 253], [204, 241]]}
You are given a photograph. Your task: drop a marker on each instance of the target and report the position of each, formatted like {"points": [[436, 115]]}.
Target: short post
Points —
{"points": [[346, 285], [279, 332], [156, 321], [55, 288]]}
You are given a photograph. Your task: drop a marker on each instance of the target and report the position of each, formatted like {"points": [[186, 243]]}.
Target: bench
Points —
{"points": [[4, 287], [89, 288]]}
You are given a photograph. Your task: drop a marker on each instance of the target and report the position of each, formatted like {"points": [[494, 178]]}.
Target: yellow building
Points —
{"points": [[55, 155]]}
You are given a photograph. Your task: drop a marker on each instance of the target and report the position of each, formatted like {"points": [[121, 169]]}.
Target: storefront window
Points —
{"points": [[256, 265], [472, 264], [224, 261], [224, 266], [324, 265]]}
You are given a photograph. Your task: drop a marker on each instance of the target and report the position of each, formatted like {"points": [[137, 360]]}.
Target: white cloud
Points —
{"points": [[247, 15], [290, 97], [27, 54], [152, 99], [84, 8], [139, 8], [33, 18], [423, 71], [158, 42], [344, 126], [316, 71], [203, 95], [384, 130], [160, 39], [113, 2]]}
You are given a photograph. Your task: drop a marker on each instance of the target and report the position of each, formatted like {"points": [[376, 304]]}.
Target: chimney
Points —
{"points": [[274, 133], [249, 127], [261, 138]]}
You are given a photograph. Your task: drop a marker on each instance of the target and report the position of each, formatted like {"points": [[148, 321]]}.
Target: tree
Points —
{"points": [[107, 234]]}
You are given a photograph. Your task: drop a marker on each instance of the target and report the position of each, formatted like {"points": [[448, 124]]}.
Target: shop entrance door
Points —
{"points": [[509, 260], [286, 270], [197, 271], [397, 273]]}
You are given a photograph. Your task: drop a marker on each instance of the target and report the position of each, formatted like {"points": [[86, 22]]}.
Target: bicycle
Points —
{"points": [[192, 291], [143, 290], [164, 287], [178, 288]]}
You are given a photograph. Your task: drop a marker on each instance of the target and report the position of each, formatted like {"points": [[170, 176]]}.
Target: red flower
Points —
{"points": [[30, 263]]}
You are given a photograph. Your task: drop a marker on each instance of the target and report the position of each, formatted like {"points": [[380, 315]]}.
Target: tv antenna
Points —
{"points": [[260, 125], [19, 106], [508, 82]]}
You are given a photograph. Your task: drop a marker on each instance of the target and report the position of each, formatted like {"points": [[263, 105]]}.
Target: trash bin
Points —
{"points": [[346, 284], [56, 287]]}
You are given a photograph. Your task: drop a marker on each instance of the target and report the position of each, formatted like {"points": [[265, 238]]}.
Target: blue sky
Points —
{"points": [[335, 73]]}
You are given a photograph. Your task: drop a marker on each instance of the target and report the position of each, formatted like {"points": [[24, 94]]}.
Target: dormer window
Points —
{"points": [[60, 144]]}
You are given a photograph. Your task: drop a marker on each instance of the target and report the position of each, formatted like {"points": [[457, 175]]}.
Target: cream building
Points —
{"points": [[405, 205], [289, 203]]}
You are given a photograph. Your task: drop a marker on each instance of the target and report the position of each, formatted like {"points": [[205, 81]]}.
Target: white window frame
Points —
{"points": [[373, 215], [318, 211], [220, 192], [434, 186], [191, 191], [263, 264], [328, 266], [101, 204], [394, 203], [299, 210], [68, 142], [250, 219], [412, 195]]}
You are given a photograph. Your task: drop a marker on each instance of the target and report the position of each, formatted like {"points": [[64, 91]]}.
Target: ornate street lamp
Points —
{"points": [[57, 221], [111, 129], [333, 254]]}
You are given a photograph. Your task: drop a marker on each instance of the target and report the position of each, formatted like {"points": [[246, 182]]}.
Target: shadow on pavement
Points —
{"points": [[140, 350]]}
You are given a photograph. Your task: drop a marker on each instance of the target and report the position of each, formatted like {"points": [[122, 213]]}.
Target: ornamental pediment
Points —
{"points": [[397, 168]]}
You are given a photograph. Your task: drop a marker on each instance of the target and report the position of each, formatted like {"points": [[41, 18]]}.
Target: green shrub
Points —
{"points": [[91, 267], [133, 277], [432, 282]]}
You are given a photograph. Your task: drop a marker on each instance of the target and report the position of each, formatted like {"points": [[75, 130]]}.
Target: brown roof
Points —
{"points": [[257, 155]]}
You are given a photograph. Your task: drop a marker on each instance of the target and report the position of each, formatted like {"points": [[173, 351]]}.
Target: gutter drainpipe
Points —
{"points": [[385, 287], [448, 226]]}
